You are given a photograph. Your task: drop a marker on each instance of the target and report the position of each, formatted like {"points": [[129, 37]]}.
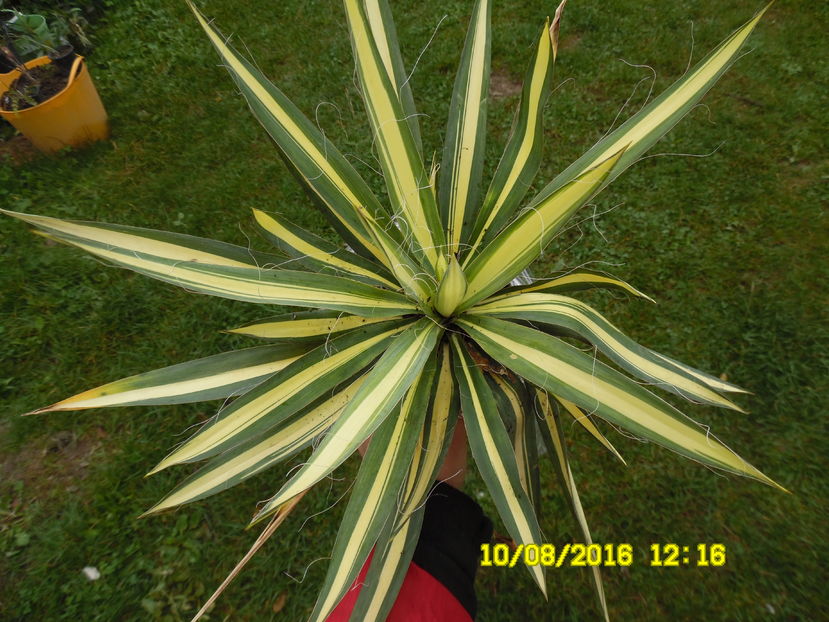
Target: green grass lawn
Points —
{"points": [[732, 246]]}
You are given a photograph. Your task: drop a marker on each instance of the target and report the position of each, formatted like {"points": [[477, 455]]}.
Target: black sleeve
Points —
{"points": [[454, 527]]}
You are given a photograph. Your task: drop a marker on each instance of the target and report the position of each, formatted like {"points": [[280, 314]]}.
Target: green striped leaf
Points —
{"points": [[586, 421], [385, 386], [287, 392], [283, 287], [323, 169], [397, 541], [522, 155], [385, 38], [577, 318], [551, 432], [562, 369], [463, 150], [317, 253], [389, 563], [576, 281], [417, 283], [718, 384], [373, 502], [260, 453], [305, 326], [188, 267], [406, 178], [514, 402], [520, 243], [164, 245], [494, 455], [210, 378], [641, 131]]}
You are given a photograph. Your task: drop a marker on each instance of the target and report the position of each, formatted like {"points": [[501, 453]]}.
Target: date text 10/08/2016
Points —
{"points": [[662, 555]]}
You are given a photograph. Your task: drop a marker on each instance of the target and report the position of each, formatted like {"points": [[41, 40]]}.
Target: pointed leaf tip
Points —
{"points": [[554, 28]]}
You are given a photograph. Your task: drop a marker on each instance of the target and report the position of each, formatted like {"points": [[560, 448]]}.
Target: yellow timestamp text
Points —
{"points": [[661, 555]]}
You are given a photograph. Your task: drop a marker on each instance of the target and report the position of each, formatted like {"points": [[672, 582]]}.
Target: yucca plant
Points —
{"points": [[421, 315]]}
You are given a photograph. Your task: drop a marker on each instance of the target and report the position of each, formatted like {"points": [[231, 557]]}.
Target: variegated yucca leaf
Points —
{"points": [[577, 318], [286, 392], [642, 130], [586, 420], [515, 407], [385, 385], [320, 255], [558, 367], [416, 319], [520, 243], [396, 543], [323, 170], [382, 29], [522, 155], [551, 433], [407, 182], [210, 378], [494, 455], [573, 282], [374, 498], [463, 150], [305, 326], [249, 458]]}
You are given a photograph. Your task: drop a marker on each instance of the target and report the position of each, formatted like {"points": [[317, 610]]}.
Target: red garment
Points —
{"points": [[422, 598], [439, 585]]}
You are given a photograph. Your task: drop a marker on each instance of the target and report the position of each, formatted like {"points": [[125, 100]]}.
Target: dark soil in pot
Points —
{"points": [[34, 87]]}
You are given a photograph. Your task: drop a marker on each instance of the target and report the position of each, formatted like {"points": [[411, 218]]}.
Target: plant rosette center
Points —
{"points": [[398, 333]]}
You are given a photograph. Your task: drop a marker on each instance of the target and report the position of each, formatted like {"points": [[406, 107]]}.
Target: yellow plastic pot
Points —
{"points": [[6, 80], [74, 116]]}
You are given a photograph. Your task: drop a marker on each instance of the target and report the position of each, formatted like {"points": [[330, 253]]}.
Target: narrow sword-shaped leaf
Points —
{"points": [[286, 392], [246, 460], [228, 278], [582, 320], [559, 368], [435, 436], [494, 455], [396, 544], [417, 282], [522, 155], [210, 378], [373, 499], [551, 432], [324, 170], [587, 279], [284, 287], [641, 131], [586, 421], [161, 244], [715, 383], [520, 243], [385, 386], [406, 178], [389, 564], [385, 38], [514, 400], [463, 150], [318, 253], [305, 326], [575, 281]]}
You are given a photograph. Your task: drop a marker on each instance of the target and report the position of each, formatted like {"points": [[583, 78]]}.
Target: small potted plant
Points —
{"points": [[51, 98]]}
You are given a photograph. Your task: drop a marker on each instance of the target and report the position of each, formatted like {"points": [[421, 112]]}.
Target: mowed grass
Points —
{"points": [[731, 245]]}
